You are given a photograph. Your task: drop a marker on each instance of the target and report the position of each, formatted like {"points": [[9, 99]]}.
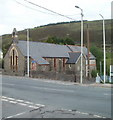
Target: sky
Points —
{"points": [[21, 15]]}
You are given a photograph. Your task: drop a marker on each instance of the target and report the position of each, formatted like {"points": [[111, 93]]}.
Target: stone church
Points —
{"points": [[47, 60]]}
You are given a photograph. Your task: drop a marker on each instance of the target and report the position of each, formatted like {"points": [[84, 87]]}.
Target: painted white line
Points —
{"points": [[84, 113], [16, 115], [39, 105], [22, 104], [4, 99], [97, 116], [27, 102], [20, 100], [10, 98], [12, 102], [32, 106]]}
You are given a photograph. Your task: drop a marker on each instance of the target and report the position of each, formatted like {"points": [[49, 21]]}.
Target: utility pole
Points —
{"points": [[104, 49], [27, 52], [88, 49], [81, 72]]}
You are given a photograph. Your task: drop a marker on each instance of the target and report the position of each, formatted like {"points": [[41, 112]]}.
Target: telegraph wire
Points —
{"points": [[32, 8], [49, 10]]}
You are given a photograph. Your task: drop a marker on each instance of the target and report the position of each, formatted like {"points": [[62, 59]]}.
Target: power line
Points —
{"points": [[49, 10], [32, 8]]}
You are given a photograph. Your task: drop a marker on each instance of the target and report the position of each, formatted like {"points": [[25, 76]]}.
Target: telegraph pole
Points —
{"points": [[88, 49]]}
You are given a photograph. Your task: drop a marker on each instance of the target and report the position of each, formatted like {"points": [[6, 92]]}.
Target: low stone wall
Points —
{"points": [[55, 76]]}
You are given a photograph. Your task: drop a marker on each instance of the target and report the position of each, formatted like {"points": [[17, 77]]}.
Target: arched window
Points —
{"points": [[14, 59]]}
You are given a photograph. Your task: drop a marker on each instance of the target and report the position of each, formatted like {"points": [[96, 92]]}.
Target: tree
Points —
{"points": [[97, 52], [57, 40]]}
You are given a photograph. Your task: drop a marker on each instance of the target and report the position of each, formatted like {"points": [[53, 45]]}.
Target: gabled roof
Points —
{"points": [[38, 50], [73, 57], [78, 49]]}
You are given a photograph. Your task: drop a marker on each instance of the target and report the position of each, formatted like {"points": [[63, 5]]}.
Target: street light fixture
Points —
{"points": [[104, 48], [81, 42]]}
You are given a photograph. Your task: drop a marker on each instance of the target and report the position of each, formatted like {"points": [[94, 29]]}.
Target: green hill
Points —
{"points": [[65, 29]]}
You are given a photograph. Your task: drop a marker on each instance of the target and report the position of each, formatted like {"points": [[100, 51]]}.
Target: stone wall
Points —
{"points": [[20, 64], [55, 76]]}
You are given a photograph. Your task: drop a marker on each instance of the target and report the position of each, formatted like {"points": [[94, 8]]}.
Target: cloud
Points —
{"points": [[16, 15]]}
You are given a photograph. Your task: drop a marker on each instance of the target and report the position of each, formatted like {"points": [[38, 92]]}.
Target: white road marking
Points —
{"points": [[12, 102], [27, 102], [10, 98], [98, 116], [20, 100], [16, 115], [33, 107], [4, 99], [40, 105], [22, 104]]}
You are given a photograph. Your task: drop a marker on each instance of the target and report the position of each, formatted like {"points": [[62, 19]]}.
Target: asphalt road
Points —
{"points": [[88, 99]]}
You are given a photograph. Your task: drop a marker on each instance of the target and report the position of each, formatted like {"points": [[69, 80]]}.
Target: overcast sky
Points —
{"points": [[24, 15]]}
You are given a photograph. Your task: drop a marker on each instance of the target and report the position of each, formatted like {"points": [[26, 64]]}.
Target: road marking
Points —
{"points": [[33, 106], [39, 105], [10, 98], [13, 102], [28, 102], [98, 116], [16, 115], [4, 99], [21, 102]]}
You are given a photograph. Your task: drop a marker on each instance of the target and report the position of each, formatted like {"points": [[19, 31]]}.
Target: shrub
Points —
{"points": [[94, 73]]}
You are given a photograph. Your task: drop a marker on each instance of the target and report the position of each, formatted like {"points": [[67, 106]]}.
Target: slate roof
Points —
{"points": [[78, 49], [73, 57], [39, 50]]}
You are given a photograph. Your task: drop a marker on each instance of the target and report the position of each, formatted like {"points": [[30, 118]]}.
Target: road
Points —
{"points": [[87, 99]]}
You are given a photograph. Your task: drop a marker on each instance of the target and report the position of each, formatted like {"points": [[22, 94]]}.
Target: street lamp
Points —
{"points": [[28, 52], [104, 48], [81, 41]]}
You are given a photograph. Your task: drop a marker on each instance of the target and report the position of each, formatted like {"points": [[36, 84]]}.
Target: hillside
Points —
{"points": [[68, 29]]}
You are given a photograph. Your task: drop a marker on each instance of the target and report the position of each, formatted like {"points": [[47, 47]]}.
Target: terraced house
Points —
{"points": [[47, 60]]}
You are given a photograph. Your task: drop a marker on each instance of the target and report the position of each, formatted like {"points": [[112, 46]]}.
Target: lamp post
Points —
{"points": [[28, 52], [81, 74], [104, 48]]}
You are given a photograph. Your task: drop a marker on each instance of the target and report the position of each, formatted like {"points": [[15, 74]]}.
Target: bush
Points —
{"points": [[94, 73]]}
